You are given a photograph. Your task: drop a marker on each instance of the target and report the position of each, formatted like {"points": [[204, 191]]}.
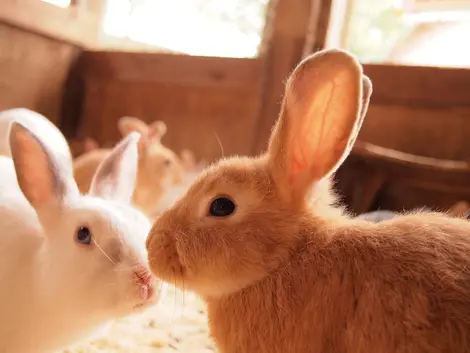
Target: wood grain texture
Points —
{"points": [[422, 111], [202, 100], [33, 70], [288, 43], [430, 131]]}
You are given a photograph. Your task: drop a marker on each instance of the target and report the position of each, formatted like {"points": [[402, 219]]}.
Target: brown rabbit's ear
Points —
{"points": [[41, 177], [157, 130], [129, 124], [116, 176], [325, 103]]}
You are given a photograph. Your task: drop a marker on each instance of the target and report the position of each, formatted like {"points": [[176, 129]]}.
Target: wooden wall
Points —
{"points": [[33, 71], [424, 111], [202, 100], [420, 110]]}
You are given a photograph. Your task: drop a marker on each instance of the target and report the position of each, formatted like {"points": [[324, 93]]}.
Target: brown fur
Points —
{"points": [[81, 146], [158, 167], [290, 272]]}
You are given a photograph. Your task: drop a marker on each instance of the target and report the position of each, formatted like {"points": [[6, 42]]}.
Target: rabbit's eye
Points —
{"points": [[84, 235], [167, 162], [467, 215], [221, 207]]}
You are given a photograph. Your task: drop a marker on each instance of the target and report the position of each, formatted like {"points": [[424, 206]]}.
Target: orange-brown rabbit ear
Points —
{"points": [[325, 103], [129, 124], [157, 130]]}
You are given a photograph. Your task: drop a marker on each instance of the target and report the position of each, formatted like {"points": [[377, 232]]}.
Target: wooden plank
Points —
{"points": [[175, 69], [33, 70], [74, 25], [196, 116], [431, 132], [288, 43], [413, 85]]}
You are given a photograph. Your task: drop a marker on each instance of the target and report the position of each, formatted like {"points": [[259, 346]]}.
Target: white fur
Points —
{"points": [[40, 125], [54, 290]]}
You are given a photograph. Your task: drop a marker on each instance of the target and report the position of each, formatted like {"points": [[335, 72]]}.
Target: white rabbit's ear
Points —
{"points": [[41, 177], [325, 103], [116, 176]]}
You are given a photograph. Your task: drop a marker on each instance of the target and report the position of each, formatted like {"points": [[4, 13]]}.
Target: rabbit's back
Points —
{"points": [[399, 288]]}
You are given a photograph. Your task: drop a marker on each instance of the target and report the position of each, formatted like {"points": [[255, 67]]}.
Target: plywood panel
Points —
{"points": [[202, 100], [440, 132], [424, 86], [33, 70]]}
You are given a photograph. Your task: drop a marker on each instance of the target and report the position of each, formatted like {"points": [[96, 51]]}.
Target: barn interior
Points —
{"points": [[214, 73]]}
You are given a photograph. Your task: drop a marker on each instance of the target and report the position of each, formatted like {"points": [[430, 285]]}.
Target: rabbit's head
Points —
{"points": [[159, 167], [241, 219], [91, 265]]}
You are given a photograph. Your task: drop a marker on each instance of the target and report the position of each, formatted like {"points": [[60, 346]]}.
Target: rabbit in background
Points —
{"points": [[159, 168], [82, 146], [173, 193]]}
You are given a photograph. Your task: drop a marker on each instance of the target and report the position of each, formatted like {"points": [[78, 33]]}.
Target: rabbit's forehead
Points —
{"points": [[122, 220], [240, 179], [234, 173]]}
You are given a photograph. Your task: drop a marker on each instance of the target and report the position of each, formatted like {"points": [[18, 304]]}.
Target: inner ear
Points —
{"points": [[41, 177], [320, 119], [116, 176]]}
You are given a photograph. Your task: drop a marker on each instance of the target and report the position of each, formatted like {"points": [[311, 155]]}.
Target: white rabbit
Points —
{"points": [[68, 263], [39, 125]]}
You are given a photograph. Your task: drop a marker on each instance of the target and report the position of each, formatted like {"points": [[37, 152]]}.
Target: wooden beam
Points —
{"points": [[184, 70], [298, 28], [76, 25]]}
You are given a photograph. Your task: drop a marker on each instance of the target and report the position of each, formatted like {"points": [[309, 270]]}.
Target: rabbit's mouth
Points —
{"points": [[146, 284], [147, 297]]}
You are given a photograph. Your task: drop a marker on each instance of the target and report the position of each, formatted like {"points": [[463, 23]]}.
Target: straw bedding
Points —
{"points": [[178, 324]]}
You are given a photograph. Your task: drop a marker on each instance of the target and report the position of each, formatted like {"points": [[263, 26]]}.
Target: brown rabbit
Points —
{"points": [[283, 270], [189, 162], [158, 168], [82, 146]]}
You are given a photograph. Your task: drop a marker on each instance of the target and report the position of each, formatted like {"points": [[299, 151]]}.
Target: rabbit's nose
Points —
{"points": [[142, 276]]}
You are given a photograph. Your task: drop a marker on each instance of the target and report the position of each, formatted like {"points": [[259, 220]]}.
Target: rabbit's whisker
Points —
{"points": [[220, 144], [101, 249]]}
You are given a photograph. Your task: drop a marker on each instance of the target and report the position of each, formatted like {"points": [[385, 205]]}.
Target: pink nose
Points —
{"points": [[142, 276]]}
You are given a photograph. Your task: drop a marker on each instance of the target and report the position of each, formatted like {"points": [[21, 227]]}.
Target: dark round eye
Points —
{"points": [[221, 207], [167, 162], [84, 235], [467, 215]]}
